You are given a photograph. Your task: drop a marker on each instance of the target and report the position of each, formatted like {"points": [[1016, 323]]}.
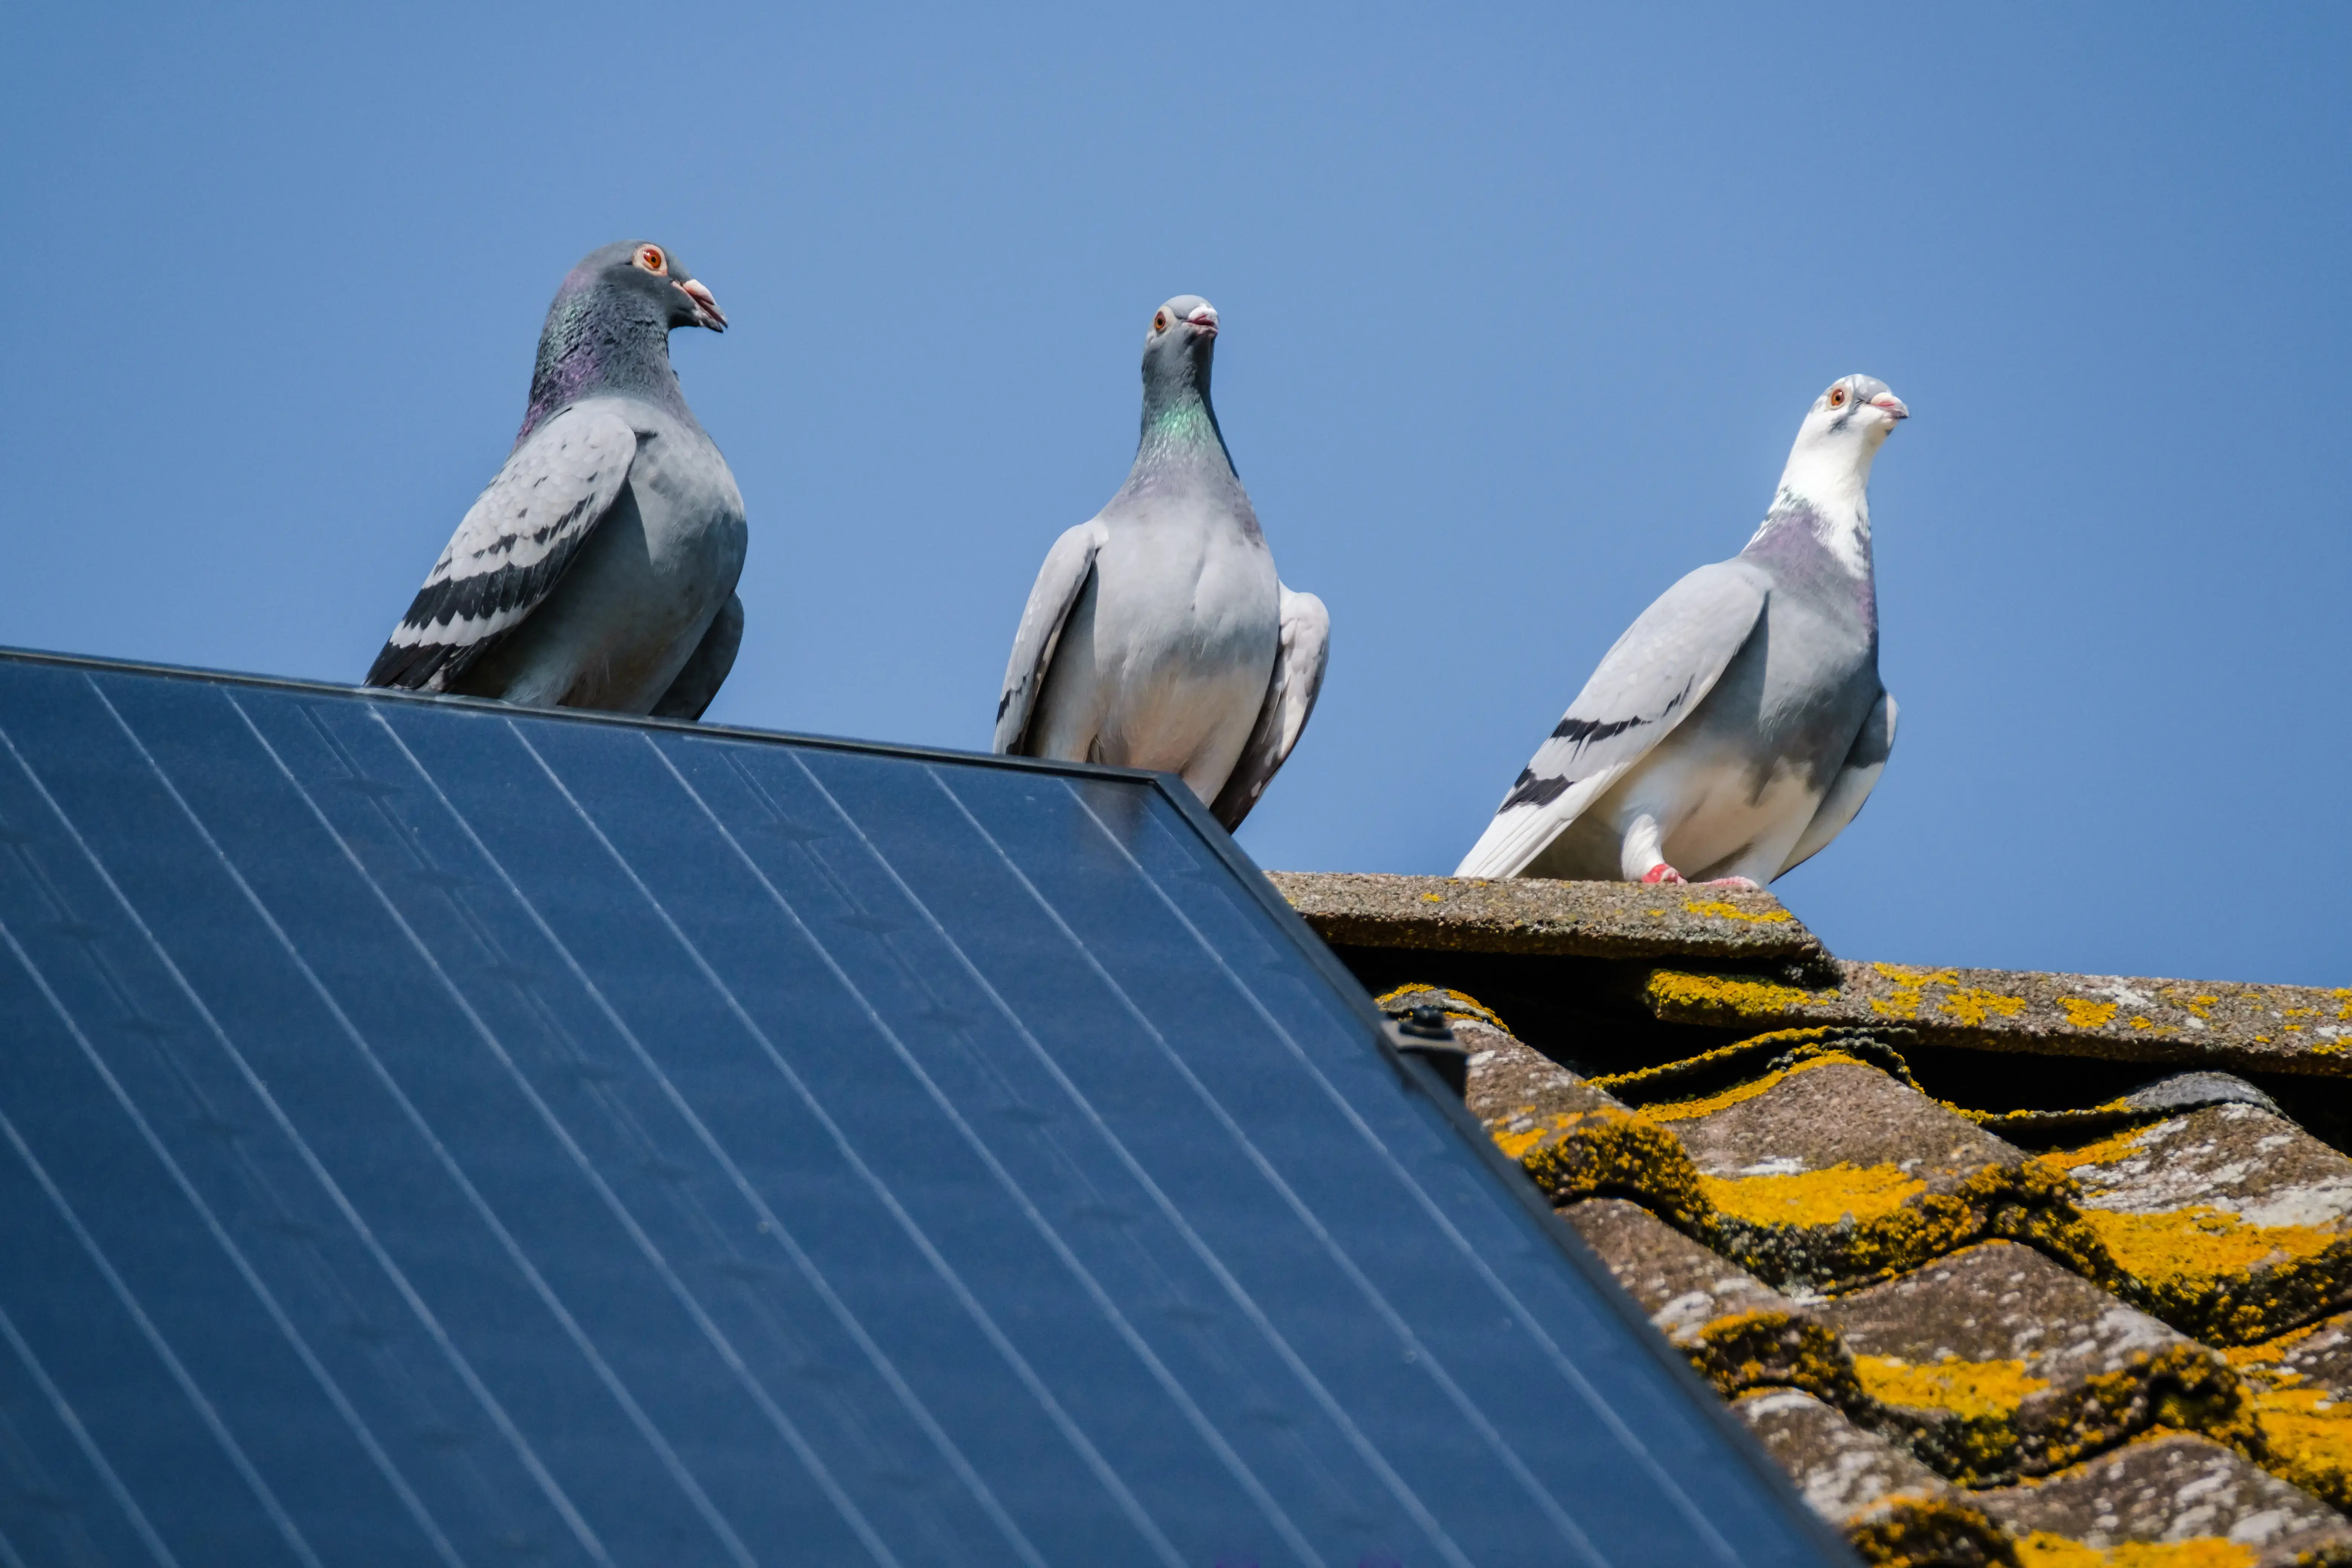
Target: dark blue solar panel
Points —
{"points": [[435, 1133]]}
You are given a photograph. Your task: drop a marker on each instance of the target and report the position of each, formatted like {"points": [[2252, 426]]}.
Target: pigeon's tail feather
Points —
{"points": [[1290, 696], [1528, 822], [708, 668], [420, 667]]}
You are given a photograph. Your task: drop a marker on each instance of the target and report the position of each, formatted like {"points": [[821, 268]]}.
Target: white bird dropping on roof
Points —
{"points": [[1158, 636], [1739, 724], [599, 568]]}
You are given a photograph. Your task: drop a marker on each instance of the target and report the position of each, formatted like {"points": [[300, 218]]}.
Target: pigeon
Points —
{"points": [[598, 569], [1739, 724], [1158, 635]]}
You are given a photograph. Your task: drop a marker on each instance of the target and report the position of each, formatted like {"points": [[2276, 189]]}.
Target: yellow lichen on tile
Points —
{"points": [[2306, 1432], [1691, 1109], [2203, 1268], [1578, 1154], [2308, 1436], [1730, 998], [1973, 1388], [2043, 1550], [2086, 1015], [1909, 985], [1768, 1348], [1458, 1005], [2201, 1242], [1725, 911], [1916, 1531], [1843, 1228], [2197, 1004], [1973, 1005], [2215, 1275], [1843, 1192]]}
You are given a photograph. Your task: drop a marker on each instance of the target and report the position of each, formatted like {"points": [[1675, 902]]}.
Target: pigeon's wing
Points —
{"points": [[1060, 583], [1664, 665], [510, 549], [1863, 762], [707, 668], [1289, 699]]}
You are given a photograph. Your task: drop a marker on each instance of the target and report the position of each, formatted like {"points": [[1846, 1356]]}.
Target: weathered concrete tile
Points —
{"points": [[1995, 1363], [1738, 1331], [1831, 1175], [2207, 1505], [1574, 1140], [1894, 1510], [2301, 1386], [2197, 1023], [2230, 1223], [1536, 915]]}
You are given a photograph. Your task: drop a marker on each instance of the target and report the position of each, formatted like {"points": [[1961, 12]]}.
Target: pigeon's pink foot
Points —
{"points": [[1752, 886], [1662, 872]]}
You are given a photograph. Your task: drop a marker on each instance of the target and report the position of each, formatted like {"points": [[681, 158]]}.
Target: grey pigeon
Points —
{"points": [[598, 570], [1738, 725], [1158, 636]]}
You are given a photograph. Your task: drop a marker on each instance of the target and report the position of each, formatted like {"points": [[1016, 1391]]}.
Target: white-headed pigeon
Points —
{"points": [[1738, 725], [1158, 636], [598, 570]]}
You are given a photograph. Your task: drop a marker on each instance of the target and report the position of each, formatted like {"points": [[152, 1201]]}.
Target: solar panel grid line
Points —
{"points": [[1276, 1515], [254, 1082], [135, 1516], [1146, 1528], [774, 1224], [442, 1546], [205, 1409], [1413, 1190], [785, 1425], [1436, 1532], [663, 1451]]}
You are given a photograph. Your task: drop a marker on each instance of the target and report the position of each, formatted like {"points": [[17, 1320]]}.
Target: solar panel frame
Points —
{"points": [[1212, 1225]]}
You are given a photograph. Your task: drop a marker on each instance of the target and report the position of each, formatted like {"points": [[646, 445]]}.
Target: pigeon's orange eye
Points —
{"points": [[1837, 398], [650, 257], [1160, 323]]}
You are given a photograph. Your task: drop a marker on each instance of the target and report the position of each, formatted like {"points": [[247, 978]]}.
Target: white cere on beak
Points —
{"points": [[1203, 316], [1892, 403]]}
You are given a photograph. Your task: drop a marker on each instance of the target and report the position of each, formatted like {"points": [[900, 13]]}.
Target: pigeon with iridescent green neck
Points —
{"points": [[1158, 636], [1738, 725], [598, 570]]}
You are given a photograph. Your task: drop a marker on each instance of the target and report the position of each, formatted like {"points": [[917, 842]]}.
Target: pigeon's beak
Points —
{"points": [[706, 312], [1892, 403], [1203, 321]]}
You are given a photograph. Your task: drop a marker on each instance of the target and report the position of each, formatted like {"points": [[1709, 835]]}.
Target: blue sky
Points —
{"points": [[1521, 310]]}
